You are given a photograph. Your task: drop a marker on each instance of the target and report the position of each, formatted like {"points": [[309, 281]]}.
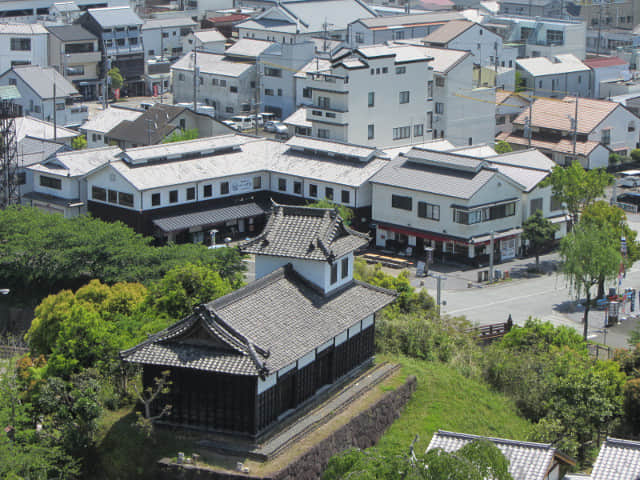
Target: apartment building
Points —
{"points": [[120, 38], [32, 11], [74, 52], [373, 95], [22, 44], [164, 37]]}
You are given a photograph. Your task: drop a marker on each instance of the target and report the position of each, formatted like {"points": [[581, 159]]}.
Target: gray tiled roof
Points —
{"points": [[527, 460], [42, 79], [150, 127], [212, 216], [307, 233], [262, 327], [115, 16], [71, 33], [618, 459]]}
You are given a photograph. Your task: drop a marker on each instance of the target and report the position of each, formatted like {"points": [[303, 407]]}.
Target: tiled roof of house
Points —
{"points": [[563, 145], [79, 162], [527, 460], [152, 23], [42, 79], [416, 19], [210, 35], [105, 120], [149, 128], [36, 128], [306, 233], [618, 459], [71, 33], [557, 114], [22, 29], [262, 327], [602, 62], [36, 150], [448, 32], [115, 16], [444, 59], [213, 63], [248, 48]]}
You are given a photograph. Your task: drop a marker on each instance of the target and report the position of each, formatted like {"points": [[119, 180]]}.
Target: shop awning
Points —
{"points": [[479, 240], [204, 218]]}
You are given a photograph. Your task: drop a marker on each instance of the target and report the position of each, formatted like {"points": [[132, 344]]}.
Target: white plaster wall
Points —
{"points": [[38, 55], [618, 122]]}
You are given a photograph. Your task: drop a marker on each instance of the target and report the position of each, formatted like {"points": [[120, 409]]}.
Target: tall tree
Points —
{"points": [[611, 217], [116, 78], [576, 187], [588, 253], [538, 230]]}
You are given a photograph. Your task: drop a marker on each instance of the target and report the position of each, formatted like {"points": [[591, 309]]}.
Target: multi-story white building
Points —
{"points": [[277, 67], [32, 11], [164, 37], [373, 95], [46, 94], [460, 201], [556, 77], [75, 53], [23, 44]]}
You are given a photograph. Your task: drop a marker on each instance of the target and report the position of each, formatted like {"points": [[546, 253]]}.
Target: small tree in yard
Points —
{"points": [[79, 143], [588, 254], [502, 147], [161, 386], [538, 230]]}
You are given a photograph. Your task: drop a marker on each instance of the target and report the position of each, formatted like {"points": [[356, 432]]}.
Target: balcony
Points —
{"points": [[328, 82], [81, 58], [327, 115]]}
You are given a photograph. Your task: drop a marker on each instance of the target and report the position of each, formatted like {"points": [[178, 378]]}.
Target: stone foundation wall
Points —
{"points": [[363, 431]]}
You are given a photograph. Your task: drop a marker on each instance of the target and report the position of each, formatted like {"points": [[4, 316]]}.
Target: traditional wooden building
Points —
{"points": [[243, 361]]}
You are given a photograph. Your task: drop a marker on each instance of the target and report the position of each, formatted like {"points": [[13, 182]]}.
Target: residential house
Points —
{"points": [[619, 459], [508, 106], [292, 21], [540, 37], [599, 128], [533, 8], [104, 121], [32, 151], [485, 46], [556, 77], [46, 94], [22, 44], [222, 82], [527, 460], [158, 122], [631, 101], [461, 201], [58, 184], [225, 23], [606, 72], [374, 95], [180, 191], [211, 41], [121, 44], [74, 52], [609, 40], [33, 11], [277, 66], [374, 30], [164, 37], [244, 362]]}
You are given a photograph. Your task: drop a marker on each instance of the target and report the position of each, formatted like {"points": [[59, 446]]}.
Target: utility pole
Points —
{"points": [[195, 80], [575, 127], [491, 256], [55, 133]]}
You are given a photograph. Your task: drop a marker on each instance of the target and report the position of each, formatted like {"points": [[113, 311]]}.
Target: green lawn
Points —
{"points": [[446, 399]]}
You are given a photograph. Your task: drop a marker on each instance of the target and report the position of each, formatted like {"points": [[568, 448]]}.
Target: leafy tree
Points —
{"points": [[161, 386], [184, 287], [345, 212], [612, 219], [116, 78], [521, 82], [182, 135], [79, 142], [576, 187], [539, 231], [587, 255], [635, 154], [502, 147], [632, 404]]}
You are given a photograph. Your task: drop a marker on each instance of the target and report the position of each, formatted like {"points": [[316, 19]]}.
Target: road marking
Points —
{"points": [[498, 302]]}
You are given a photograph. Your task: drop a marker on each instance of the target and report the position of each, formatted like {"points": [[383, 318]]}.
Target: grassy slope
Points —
{"points": [[444, 399]]}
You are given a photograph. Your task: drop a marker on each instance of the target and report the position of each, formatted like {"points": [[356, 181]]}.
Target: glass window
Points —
{"points": [[272, 72], [439, 107], [257, 183], [430, 89], [401, 132], [323, 133], [345, 196], [125, 199], [555, 204], [334, 273], [536, 204], [371, 99], [439, 81], [282, 184], [345, 267], [324, 102], [606, 136], [370, 131], [173, 196], [224, 188], [401, 202], [306, 92], [428, 210], [191, 193], [297, 188], [313, 190], [20, 44], [98, 193], [404, 96], [112, 196], [418, 130], [401, 70], [233, 89], [155, 199], [51, 182], [328, 193], [207, 191]]}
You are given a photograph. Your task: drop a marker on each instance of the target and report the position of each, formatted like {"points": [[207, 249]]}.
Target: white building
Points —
{"points": [[456, 201], [508, 106], [32, 11], [373, 95], [165, 37], [556, 77], [23, 45], [46, 94], [607, 70], [293, 21], [210, 40], [602, 127], [370, 31], [277, 67], [103, 121]]}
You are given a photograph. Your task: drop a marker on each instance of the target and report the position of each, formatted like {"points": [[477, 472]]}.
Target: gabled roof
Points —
{"points": [[210, 35], [262, 327], [105, 120], [305, 233], [42, 79], [37, 128], [247, 47], [78, 162], [444, 59], [149, 128], [563, 146], [71, 33], [449, 31], [417, 19], [527, 460], [115, 16], [556, 114], [36, 150], [618, 459], [213, 63], [9, 92]]}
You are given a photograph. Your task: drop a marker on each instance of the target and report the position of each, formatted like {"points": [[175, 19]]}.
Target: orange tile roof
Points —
{"points": [[557, 114], [563, 146], [448, 32]]}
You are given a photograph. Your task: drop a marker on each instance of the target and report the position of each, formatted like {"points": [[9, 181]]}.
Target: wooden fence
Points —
{"points": [[494, 331]]}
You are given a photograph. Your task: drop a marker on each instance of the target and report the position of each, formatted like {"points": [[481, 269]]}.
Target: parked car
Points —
{"points": [[630, 182], [231, 124], [243, 122], [275, 127]]}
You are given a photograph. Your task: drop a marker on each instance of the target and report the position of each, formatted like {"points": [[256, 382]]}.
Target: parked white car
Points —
{"points": [[630, 182], [275, 127], [231, 124]]}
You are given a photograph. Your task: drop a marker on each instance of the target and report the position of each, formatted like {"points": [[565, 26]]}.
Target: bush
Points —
{"points": [[635, 155]]}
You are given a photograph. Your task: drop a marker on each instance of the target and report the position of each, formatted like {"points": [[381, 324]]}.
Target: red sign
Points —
{"points": [[116, 93], [155, 90]]}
